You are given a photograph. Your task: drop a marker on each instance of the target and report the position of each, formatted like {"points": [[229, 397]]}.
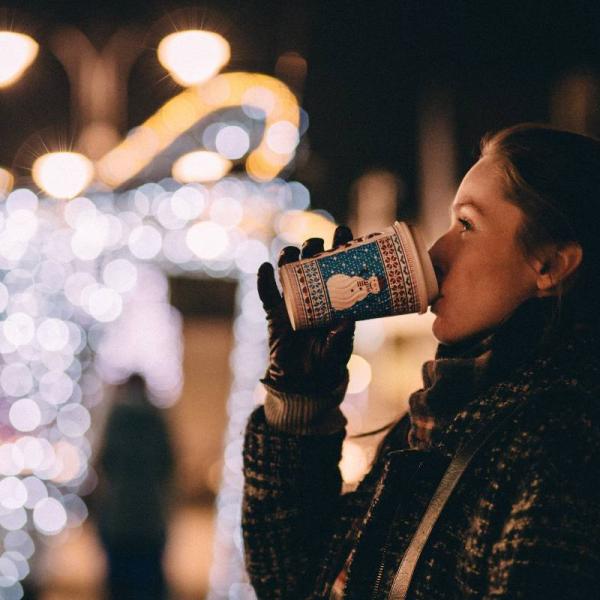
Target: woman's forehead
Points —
{"points": [[482, 188]]}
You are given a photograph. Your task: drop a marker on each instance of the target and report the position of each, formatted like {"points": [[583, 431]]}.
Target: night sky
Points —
{"points": [[368, 66]]}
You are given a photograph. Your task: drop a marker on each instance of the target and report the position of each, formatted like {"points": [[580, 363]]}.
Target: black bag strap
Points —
{"points": [[451, 477]]}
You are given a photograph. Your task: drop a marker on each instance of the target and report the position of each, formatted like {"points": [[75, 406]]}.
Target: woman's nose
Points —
{"points": [[439, 256]]}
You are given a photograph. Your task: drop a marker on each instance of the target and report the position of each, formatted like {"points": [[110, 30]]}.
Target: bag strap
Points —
{"points": [[451, 477]]}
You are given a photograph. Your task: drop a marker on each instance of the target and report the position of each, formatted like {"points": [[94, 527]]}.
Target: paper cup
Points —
{"points": [[381, 274]]}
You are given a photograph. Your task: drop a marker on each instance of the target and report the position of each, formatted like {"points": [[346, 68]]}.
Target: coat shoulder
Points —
{"points": [[561, 428]]}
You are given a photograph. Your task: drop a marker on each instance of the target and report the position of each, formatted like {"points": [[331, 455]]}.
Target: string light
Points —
{"points": [[78, 283]]}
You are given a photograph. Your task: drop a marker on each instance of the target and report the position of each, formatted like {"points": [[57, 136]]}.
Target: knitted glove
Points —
{"points": [[309, 361]]}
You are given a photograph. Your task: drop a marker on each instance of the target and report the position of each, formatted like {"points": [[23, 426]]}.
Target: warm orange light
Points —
{"points": [[6, 182], [295, 226], [193, 56], [17, 52], [354, 463], [201, 166], [62, 174], [190, 106]]}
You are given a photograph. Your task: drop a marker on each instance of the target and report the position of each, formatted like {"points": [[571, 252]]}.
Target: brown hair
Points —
{"points": [[553, 176]]}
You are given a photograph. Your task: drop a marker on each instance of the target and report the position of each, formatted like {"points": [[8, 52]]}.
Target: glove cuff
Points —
{"points": [[305, 414]]}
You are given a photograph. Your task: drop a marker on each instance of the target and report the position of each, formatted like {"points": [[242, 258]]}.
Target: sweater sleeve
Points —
{"points": [[291, 492], [304, 414], [295, 520], [550, 543]]}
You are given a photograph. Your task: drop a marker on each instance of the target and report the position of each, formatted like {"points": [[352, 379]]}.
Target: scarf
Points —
{"points": [[461, 371]]}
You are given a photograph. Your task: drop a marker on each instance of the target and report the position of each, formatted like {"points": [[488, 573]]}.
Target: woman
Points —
{"points": [[517, 320]]}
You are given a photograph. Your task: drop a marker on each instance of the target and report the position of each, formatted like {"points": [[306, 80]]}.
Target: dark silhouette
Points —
{"points": [[131, 502]]}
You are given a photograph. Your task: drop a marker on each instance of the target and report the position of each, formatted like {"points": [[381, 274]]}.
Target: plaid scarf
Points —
{"points": [[461, 371]]}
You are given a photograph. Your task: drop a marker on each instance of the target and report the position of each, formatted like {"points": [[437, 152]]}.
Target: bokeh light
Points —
{"points": [[17, 52], [25, 415], [250, 255], [104, 304], [13, 494], [73, 420], [52, 334], [258, 102], [81, 281], [120, 275], [207, 240], [13, 519], [188, 202], [193, 56], [181, 113], [370, 336], [18, 328], [36, 491], [354, 463], [360, 374], [145, 242], [22, 199], [55, 387], [62, 174], [226, 211], [16, 379], [295, 226], [49, 516], [20, 225], [232, 141], [6, 182], [201, 166], [282, 137]]}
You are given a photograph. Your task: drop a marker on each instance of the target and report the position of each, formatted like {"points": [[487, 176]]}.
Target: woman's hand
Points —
{"points": [[309, 360]]}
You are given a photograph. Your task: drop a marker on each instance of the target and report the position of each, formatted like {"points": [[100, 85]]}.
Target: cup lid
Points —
{"points": [[426, 264], [423, 273]]}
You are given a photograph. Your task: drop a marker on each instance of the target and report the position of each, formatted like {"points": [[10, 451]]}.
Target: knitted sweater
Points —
{"points": [[523, 522]]}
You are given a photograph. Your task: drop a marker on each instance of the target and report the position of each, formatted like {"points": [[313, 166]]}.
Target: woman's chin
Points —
{"points": [[443, 333], [437, 328]]}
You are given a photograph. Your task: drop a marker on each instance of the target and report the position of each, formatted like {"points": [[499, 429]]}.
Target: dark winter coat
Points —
{"points": [[523, 522]]}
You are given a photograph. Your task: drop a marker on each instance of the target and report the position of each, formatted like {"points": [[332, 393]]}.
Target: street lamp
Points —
{"points": [[17, 52], [193, 56]]}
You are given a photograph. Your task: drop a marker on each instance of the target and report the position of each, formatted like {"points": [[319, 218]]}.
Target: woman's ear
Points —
{"points": [[559, 264]]}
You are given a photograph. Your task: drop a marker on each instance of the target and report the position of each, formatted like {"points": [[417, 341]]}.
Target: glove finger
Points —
{"points": [[267, 288], [340, 340], [287, 255], [342, 235], [312, 246]]}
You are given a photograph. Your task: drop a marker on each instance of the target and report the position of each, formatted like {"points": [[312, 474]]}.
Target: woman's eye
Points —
{"points": [[466, 224]]}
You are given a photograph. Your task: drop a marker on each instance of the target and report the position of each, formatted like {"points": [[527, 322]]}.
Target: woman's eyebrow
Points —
{"points": [[469, 202]]}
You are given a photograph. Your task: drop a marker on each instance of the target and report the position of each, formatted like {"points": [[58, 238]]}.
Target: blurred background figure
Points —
{"points": [[131, 503]]}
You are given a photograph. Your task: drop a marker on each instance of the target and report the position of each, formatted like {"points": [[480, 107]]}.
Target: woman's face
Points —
{"points": [[483, 274]]}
